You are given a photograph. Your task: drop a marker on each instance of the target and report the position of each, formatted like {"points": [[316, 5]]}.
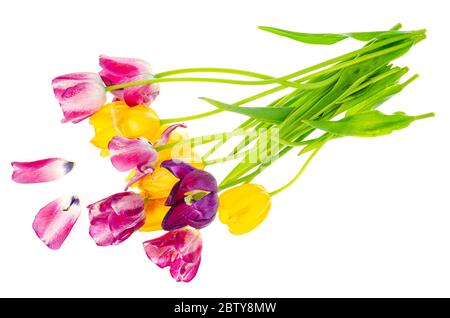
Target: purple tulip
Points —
{"points": [[193, 199]]}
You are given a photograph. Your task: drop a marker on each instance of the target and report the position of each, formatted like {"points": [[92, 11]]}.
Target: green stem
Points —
{"points": [[299, 173], [213, 70], [345, 57], [209, 113], [201, 79], [200, 140], [298, 73], [358, 60], [237, 181], [224, 159], [187, 118]]}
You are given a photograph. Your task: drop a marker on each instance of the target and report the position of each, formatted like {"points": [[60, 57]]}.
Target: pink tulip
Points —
{"points": [[119, 70], [79, 94], [116, 217], [54, 222], [137, 153], [44, 170], [180, 249], [127, 154]]}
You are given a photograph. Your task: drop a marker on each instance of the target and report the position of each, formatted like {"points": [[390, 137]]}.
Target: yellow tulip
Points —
{"points": [[118, 119], [244, 207], [159, 184], [155, 211]]}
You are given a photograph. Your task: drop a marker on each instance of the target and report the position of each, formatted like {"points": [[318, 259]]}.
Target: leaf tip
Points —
{"points": [[427, 115]]}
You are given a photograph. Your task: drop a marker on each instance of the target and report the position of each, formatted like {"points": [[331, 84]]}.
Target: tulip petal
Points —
{"points": [[184, 272], [177, 167], [198, 180], [198, 215], [122, 227], [101, 232], [118, 70], [162, 140], [160, 255], [80, 95], [179, 249], [244, 207], [127, 154], [44, 170], [115, 69], [175, 195], [116, 217], [208, 206], [129, 216], [141, 94], [127, 204], [54, 222], [178, 216], [136, 177], [202, 210]]}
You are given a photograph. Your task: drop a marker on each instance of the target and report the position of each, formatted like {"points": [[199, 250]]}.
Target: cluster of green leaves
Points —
{"points": [[351, 86]]}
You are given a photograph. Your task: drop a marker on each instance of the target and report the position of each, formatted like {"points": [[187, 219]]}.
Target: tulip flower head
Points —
{"points": [[127, 154], [180, 249], [80, 95], [115, 218], [244, 207], [193, 198], [117, 119], [138, 154], [119, 70]]}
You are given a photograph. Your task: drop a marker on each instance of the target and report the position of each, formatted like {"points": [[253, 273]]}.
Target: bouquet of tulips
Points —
{"points": [[170, 185]]}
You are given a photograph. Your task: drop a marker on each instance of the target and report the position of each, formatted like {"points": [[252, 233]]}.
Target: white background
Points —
{"points": [[370, 217]]}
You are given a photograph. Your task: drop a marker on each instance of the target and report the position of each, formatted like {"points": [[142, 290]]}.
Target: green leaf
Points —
{"points": [[331, 38], [270, 115], [310, 38], [368, 124]]}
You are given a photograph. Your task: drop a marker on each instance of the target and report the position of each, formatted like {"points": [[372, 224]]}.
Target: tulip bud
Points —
{"points": [[244, 207]]}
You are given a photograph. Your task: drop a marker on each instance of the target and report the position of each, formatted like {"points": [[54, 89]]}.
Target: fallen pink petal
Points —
{"points": [[54, 222], [44, 170]]}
